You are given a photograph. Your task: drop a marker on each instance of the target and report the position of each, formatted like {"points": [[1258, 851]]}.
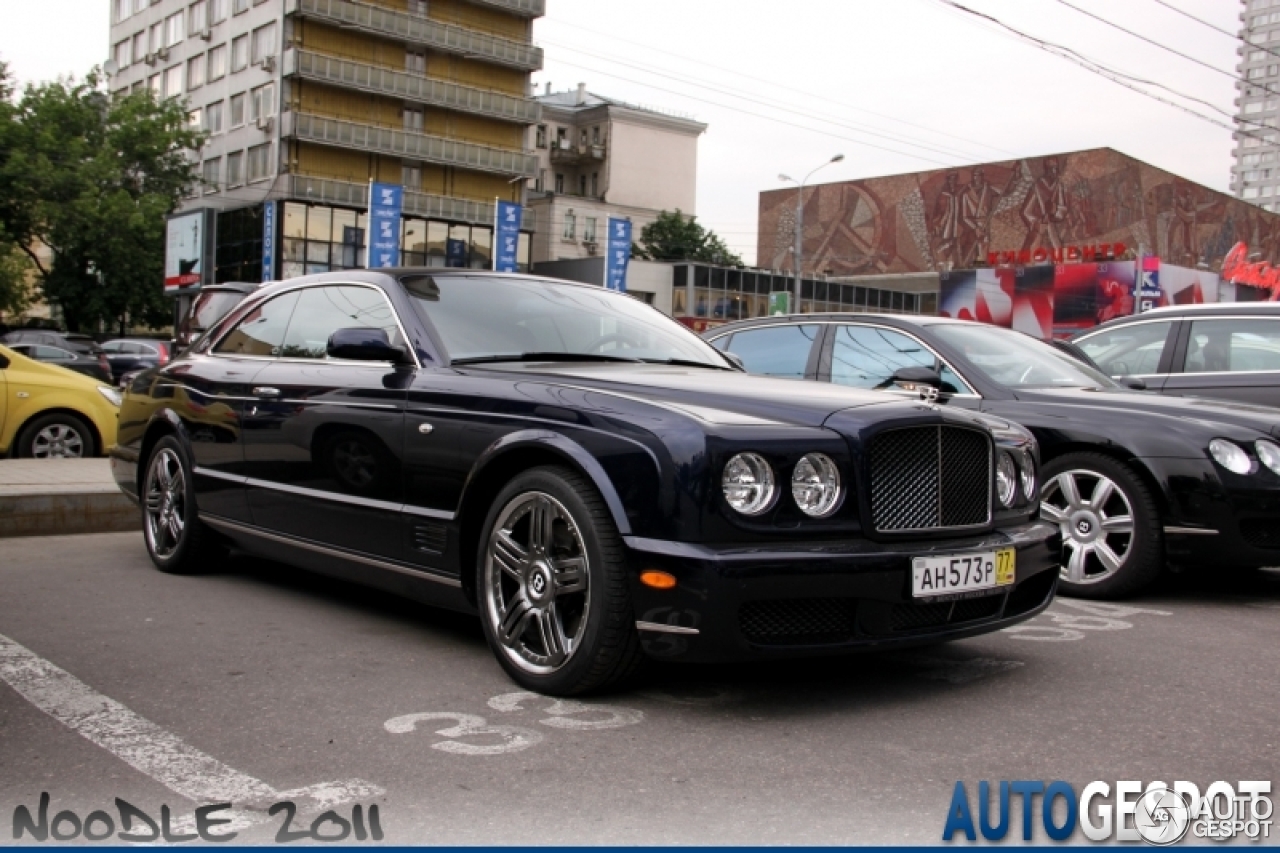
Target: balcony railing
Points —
{"points": [[413, 146], [532, 8], [413, 87], [419, 30], [425, 205], [569, 154]]}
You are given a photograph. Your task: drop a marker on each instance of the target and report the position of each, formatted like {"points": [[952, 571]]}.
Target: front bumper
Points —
{"points": [[741, 603], [1217, 519]]}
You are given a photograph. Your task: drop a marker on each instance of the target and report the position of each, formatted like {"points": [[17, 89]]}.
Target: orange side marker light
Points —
{"points": [[658, 580]]}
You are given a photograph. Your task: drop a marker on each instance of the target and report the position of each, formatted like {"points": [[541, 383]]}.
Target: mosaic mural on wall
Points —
{"points": [[1085, 206]]}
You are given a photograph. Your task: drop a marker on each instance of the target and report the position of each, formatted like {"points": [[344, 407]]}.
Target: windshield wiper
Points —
{"points": [[682, 362], [543, 356]]}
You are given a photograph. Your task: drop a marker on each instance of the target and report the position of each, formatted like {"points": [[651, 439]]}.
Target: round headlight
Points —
{"points": [[1006, 479], [748, 484], [1230, 456], [815, 485], [1269, 453], [1027, 472]]}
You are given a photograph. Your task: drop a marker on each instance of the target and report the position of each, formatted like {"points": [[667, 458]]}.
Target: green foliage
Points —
{"points": [[93, 177], [676, 237], [15, 290]]}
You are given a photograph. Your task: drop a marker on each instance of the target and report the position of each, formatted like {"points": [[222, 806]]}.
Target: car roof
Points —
{"points": [[836, 317], [1174, 312], [388, 275]]}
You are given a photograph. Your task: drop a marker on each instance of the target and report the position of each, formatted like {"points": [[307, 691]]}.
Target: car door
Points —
{"points": [[1142, 350], [866, 355], [1230, 358], [784, 350], [324, 438]]}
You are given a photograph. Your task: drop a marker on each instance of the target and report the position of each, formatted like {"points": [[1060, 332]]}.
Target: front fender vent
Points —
{"points": [[430, 538]]}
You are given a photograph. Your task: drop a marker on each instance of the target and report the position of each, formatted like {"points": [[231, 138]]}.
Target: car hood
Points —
{"points": [[1261, 418], [42, 374], [715, 396]]}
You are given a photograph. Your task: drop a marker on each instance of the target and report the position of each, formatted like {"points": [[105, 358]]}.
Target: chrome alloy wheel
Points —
{"points": [[165, 505], [58, 441], [1097, 530], [535, 578]]}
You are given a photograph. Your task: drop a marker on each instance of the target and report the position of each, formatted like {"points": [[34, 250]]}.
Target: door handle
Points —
{"points": [[264, 391]]}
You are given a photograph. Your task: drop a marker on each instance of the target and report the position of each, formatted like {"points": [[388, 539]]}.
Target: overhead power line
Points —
{"points": [[1215, 27]]}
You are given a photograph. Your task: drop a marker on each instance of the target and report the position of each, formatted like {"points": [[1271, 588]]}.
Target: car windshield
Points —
{"points": [[210, 307], [488, 318], [1015, 360]]}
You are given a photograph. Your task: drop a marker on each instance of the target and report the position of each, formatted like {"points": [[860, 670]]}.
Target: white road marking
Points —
{"points": [[563, 712], [155, 752], [514, 738]]}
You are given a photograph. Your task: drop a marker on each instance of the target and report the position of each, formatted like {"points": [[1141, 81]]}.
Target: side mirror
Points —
{"points": [[911, 378], [735, 359], [363, 344], [1133, 383]]}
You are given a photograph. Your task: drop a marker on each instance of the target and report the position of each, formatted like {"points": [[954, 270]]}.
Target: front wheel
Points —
{"points": [[57, 436], [553, 588], [1111, 537], [177, 540]]}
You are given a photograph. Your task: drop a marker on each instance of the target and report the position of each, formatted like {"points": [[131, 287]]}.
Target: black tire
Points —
{"points": [[193, 547], [57, 435], [1088, 528], [605, 647]]}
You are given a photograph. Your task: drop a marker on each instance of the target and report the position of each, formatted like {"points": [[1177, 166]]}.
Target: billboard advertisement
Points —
{"points": [[385, 204], [184, 250], [507, 217]]}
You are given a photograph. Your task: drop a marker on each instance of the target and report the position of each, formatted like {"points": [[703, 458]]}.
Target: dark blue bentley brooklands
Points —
{"points": [[592, 478]]}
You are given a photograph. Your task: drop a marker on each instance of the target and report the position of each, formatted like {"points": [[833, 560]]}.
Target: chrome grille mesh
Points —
{"points": [[927, 478]]}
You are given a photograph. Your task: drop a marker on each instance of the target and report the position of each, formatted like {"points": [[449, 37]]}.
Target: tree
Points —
{"points": [[92, 177], [676, 237]]}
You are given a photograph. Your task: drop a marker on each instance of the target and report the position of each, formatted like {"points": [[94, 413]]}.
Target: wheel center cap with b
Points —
{"points": [[1084, 527], [539, 582]]}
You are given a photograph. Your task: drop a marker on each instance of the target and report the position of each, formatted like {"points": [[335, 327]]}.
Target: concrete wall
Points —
{"points": [[651, 167]]}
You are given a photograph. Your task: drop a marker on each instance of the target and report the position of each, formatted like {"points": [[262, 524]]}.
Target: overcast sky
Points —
{"points": [[894, 85]]}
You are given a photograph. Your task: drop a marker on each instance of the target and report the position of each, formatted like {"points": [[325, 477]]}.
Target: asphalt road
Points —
{"points": [[121, 682]]}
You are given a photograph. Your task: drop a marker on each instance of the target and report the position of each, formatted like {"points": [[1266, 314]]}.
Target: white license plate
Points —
{"points": [[947, 574]]}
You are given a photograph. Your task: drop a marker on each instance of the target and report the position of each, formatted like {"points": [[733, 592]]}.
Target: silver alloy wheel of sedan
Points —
{"points": [[58, 441], [165, 503], [536, 583], [1097, 529]]}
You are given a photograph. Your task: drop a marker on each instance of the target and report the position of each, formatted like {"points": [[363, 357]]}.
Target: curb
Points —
{"points": [[60, 513]]}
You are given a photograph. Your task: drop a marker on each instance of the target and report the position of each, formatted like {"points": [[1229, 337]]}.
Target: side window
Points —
{"points": [[868, 356], [722, 343], [781, 351], [1129, 350], [261, 331], [1222, 346], [114, 346], [324, 310], [53, 354]]}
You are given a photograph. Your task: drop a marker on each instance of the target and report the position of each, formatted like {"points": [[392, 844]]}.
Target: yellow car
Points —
{"points": [[48, 411]]}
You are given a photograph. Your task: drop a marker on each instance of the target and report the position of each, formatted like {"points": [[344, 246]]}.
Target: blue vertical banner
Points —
{"points": [[618, 254], [385, 204], [506, 231], [455, 253], [269, 241]]}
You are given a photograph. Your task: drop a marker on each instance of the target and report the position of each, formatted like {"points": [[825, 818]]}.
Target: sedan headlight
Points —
{"points": [[815, 485], [112, 395], [1027, 475], [1230, 456], [1006, 479], [748, 484], [1269, 453]]}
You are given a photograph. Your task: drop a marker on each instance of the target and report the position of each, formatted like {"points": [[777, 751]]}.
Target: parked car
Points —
{"points": [[128, 355], [93, 365], [80, 344], [210, 305], [48, 412], [1132, 478], [585, 472], [1230, 351]]}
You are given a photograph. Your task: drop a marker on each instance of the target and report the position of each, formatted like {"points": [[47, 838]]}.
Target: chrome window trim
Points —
{"points": [[336, 497], [1219, 373], [210, 349], [1144, 322]]}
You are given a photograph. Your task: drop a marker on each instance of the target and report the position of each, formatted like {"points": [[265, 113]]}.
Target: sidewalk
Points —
{"points": [[44, 497]]}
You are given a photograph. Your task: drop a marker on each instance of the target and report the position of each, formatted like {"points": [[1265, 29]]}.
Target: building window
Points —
{"points": [[195, 72], [415, 61], [172, 82], [156, 85], [217, 63], [595, 135], [259, 162], [212, 174], [1250, 192], [1257, 73], [264, 43], [197, 17], [195, 119], [582, 185], [595, 184], [217, 11], [1255, 107], [235, 168], [239, 53], [413, 119], [237, 109], [213, 117], [589, 229], [570, 225], [562, 138], [139, 46], [238, 6], [418, 7], [157, 37], [1257, 55], [540, 136], [173, 30], [411, 176], [122, 53], [262, 102], [540, 181]]}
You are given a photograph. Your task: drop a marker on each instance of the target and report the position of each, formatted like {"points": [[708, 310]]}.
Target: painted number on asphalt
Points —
{"points": [[1068, 627], [512, 738], [568, 714]]}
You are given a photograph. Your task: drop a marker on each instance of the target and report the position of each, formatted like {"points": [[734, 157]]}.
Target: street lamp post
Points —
{"points": [[799, 237]]}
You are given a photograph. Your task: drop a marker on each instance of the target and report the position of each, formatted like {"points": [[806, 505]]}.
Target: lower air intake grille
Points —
{"points": [[910, 617], [930, 478], [797, 621], [1261, 532]]}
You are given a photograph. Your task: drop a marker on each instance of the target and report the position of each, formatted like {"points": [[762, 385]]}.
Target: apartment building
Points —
{"points": [[1256, 174], [307, 101], [599, 157]]}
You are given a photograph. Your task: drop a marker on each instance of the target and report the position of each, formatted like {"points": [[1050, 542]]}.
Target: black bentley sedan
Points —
{"points": [[590, 476], [1133, 479]]}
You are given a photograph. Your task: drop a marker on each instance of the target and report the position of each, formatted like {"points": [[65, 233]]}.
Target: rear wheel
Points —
{"points": [[1111, 536], [58, 435], [177, 541], [553, 590]]}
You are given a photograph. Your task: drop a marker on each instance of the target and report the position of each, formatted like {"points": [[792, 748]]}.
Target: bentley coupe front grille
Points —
{"points": [[930, 478]]}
